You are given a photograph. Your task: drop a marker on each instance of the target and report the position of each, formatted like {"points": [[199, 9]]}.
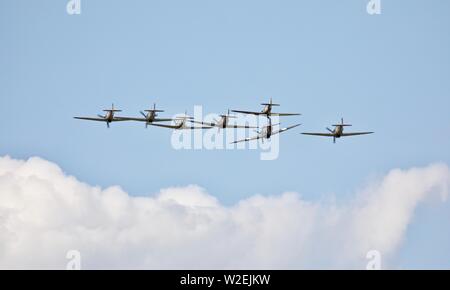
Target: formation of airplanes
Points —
{"points": [[185, 122]]}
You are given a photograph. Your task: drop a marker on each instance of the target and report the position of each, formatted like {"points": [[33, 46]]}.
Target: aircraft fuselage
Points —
{"points": [[151, 116], [338, 131], [267, 109], [223, 122], [266, 132], [109, 116]]}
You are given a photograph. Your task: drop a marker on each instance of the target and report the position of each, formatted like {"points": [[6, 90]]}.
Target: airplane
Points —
{"points": [[108, 117], [266, 132], [266, 111], [338, 132], [150, 116], [223, 122], [180, 124]]}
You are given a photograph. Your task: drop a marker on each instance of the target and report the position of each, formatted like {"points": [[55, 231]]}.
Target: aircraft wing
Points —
{"points": [[193, 128], [129, 119], [241, 126], [90, 119], [356, 133], [319, 134], [247, 139], [139, 119], [261, 113], [203, 123], [284, 114], [178, 127], [284, 129], [162, 120], [248, 112], [166, 126]]}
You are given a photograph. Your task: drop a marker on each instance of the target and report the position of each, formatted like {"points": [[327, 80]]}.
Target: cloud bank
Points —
{"points": [[44, 213]]}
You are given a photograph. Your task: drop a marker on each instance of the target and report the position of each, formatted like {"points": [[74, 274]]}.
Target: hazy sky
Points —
{"points": [[386, 73]]}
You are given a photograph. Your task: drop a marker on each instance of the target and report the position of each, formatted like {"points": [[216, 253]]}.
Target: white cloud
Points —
{"points": [[44, 213]]}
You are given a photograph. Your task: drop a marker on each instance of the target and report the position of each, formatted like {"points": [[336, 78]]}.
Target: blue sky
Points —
{"points": [[325, 59]]}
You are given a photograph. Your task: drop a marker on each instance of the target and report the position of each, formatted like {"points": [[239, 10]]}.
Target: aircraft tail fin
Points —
{"points": [[342, 124], [112, 109], [270, 103]]}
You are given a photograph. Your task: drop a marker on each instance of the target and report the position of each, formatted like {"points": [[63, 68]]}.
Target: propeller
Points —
{"points": [[332, 131], [146, 117]]}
